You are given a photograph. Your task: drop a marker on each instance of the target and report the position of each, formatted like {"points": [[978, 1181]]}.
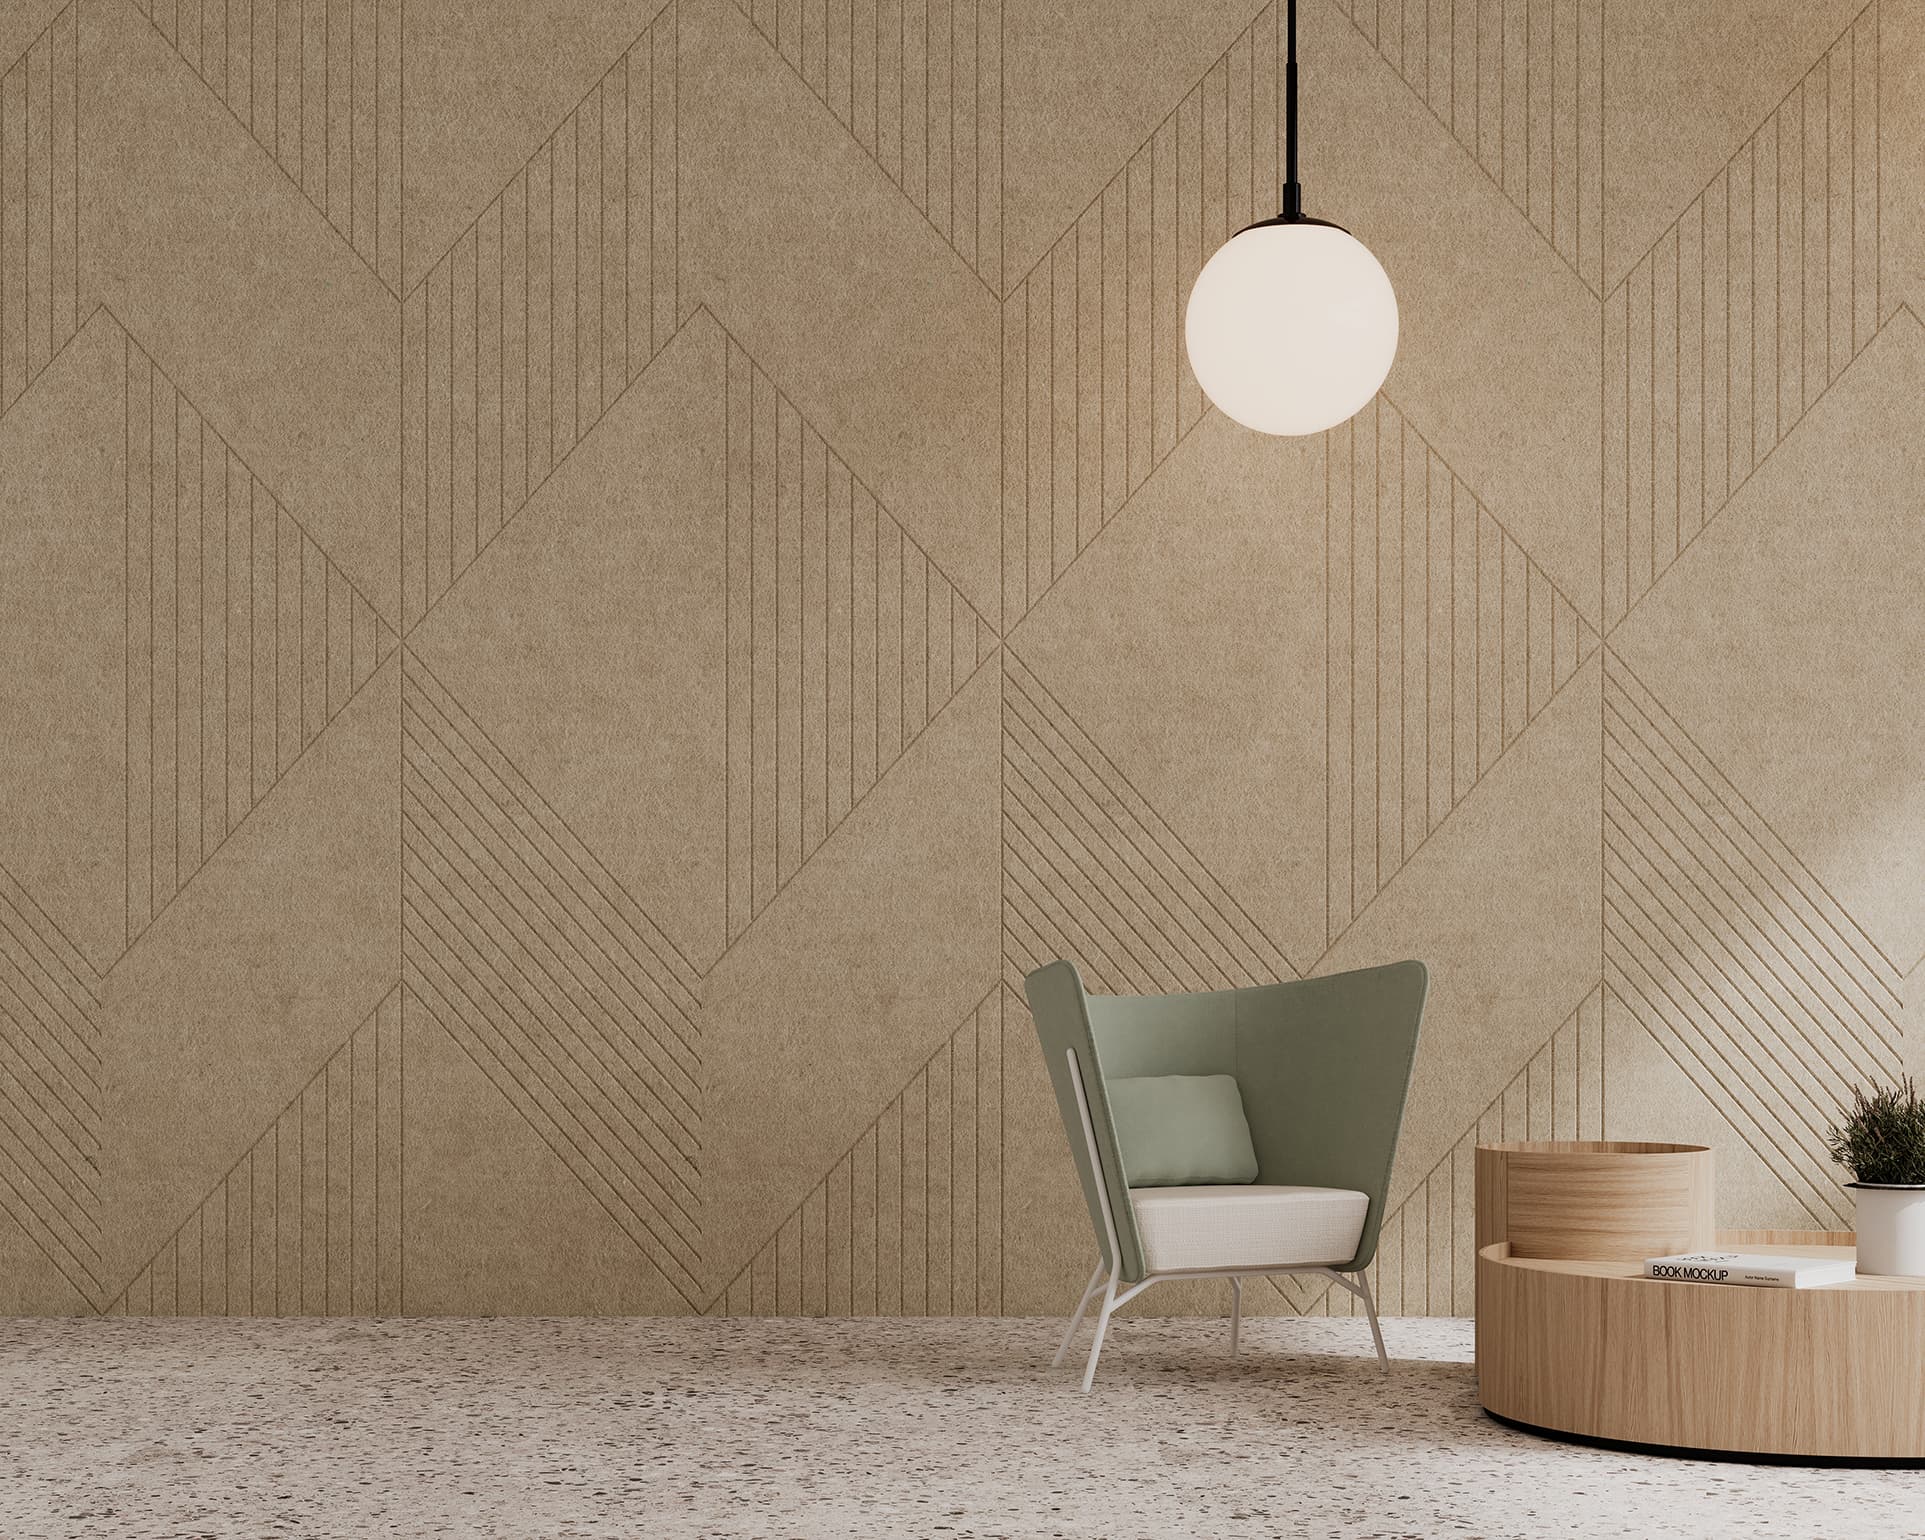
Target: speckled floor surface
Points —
{"points": [[660, 1429]]}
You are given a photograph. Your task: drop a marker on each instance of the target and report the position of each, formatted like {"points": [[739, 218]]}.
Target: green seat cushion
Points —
{"points": [[1181, 1130]]}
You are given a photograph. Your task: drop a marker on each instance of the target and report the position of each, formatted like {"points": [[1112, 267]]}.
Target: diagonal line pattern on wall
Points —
{"points": [[1818, 1213], [318, 87], [524, 947], [909, 1220], [1091, 871], [1444, 642], [1521, 88], [534, 323], [1745, 312], [308, 1220], [845, 641], [841, 642], [39, 204], [50, 1088], [1720, 943], [244, 640], [921, 93], [1096, 389]]}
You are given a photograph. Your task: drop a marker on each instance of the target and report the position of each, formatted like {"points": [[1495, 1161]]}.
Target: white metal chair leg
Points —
{"points": [[1236, 1313], [1370, 1309], [1102, 1326], [1076, 1320]]}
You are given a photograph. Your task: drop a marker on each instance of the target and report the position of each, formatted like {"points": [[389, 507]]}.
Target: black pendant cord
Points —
{"points": [[1292, 212], [1292, 189]]}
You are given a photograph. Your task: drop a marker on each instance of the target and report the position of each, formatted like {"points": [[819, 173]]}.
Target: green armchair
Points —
{"points": [[1323, 1066]]}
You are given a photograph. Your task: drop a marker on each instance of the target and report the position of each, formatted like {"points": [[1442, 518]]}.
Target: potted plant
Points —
{"points": [[1882, 1143]]}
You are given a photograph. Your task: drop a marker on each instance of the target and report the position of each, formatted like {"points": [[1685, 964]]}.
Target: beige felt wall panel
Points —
{"points": [[581, 603]]}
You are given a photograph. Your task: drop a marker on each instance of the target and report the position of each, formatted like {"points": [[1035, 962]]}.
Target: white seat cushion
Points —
{"points": [[1184, 1229]]}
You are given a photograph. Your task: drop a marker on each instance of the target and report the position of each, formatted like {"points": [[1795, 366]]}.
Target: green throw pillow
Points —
{"points": [[1181, 1130]]}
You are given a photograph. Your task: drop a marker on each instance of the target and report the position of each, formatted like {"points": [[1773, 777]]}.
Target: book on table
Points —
{"points": [[1763, 1272]]}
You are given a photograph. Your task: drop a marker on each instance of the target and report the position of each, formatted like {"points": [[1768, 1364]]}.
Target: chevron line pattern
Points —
{"points": [[243, 640], [909, 1220], [318, 86], [1722, 945], [536, 962], [39, 204], [1521, 87], [845, 641], [525, 332], [50, 1089], [787, 652], [920, 88], [1746, 311], [1091, 871], [1096, 388], [308, 1220], [1444, 641]]}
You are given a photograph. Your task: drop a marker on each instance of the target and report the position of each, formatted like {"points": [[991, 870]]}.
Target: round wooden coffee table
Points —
{"points": [[1590, 1349]]}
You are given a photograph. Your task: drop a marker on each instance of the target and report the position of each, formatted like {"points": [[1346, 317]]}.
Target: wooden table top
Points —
{"points": [[1747, 1242]]}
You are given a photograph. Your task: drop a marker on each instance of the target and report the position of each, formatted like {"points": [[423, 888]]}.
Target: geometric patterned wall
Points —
{"points": [[581, 604]]}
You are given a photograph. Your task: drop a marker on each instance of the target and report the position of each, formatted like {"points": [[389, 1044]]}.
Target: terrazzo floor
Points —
{"points": [[952, 1429]]}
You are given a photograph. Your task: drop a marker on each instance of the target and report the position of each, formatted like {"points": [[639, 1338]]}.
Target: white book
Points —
{"points": [[1765, 1272]]}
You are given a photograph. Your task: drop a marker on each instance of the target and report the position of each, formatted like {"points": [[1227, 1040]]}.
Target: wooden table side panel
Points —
{"points": [[1493, 1223], [1595, 1199], [1766, 1371], [1556, 1357], [1573, 1206]]}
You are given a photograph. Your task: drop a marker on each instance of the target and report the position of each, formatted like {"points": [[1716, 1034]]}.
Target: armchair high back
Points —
{"points": [[1323, 1066]]}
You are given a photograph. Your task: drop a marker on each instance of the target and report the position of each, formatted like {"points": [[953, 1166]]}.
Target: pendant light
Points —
{"points": [[1292, 324]]}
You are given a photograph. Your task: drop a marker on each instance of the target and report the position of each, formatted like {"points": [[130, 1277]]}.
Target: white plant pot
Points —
{"points": [[1891, 1230]]}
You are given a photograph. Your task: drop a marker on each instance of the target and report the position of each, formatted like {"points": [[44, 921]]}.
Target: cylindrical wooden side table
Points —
{"points": [[1572, 1341], [1600, 1200]]}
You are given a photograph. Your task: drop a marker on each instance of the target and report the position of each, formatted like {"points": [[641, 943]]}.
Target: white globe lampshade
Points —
{"points": [[1291, 327]]}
